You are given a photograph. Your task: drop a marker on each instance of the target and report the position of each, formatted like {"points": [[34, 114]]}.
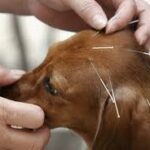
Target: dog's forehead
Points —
{"points": [[74, 43], [88, 39], [73, 55]]}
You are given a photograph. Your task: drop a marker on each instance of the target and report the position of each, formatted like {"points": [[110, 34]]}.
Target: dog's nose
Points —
{"points": [[11, 92]]}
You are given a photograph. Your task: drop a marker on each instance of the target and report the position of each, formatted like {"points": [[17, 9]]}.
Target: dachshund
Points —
{"points": [[95, 84]]}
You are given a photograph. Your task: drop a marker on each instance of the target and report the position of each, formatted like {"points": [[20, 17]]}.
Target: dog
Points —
{"points": [[95, 84]]}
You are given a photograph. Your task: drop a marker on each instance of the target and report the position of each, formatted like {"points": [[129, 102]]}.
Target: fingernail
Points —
{"points": [[16, 74], [99, 22], [111, 26]]}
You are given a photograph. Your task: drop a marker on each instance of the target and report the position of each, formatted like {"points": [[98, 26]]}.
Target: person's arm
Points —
{"points": [[19, 7]]}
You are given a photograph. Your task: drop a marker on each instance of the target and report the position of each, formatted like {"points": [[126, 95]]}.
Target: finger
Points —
{"points": [[58, 5], [58, 20], [124, 14], [9, 76], [90, 11], [27, 140], [21, 114], [143, 32]]}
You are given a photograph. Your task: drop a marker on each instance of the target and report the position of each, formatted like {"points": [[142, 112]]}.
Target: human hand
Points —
{"points": [[23, 115], [112, 14], [143, 32]]}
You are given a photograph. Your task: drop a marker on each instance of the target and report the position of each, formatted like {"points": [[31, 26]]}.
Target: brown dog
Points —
{"points": [[95, 84]]}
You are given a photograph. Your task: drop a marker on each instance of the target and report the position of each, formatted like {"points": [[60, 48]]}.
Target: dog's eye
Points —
{"points": [[49, 87]]}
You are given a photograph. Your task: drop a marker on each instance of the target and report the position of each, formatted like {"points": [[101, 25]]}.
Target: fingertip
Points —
{"points": [[141, 36], [16, 74], [99, 22], [40, 116], [44, 134], [47, 134], [44, 130], [90, 11], [111, 27], [122, 17], [9, 76]]}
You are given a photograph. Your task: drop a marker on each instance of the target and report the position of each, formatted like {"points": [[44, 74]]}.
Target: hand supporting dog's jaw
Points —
{"points": [[94, 84]]}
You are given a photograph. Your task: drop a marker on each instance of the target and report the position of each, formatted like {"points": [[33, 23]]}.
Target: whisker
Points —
{"points": [[145, 53], [103, 47], [114, 99], [148, 102]]}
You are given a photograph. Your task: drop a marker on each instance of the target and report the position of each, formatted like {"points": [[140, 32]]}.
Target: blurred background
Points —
{"points": [[24, 42]]}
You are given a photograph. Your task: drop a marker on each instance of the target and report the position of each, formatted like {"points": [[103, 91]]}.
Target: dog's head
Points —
{"points": [[74, 83]]}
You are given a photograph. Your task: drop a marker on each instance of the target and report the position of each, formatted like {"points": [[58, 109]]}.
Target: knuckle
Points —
{"points": [[86, 6]]}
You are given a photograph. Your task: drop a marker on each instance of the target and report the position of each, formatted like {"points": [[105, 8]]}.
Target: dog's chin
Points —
{"points": [[50, 124]]}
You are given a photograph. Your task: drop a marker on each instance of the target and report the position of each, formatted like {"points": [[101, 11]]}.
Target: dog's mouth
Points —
{"points": [[47, 123], [50, 123]]}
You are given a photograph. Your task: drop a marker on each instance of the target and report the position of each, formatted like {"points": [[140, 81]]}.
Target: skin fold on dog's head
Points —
{"points": [[95, 84]]}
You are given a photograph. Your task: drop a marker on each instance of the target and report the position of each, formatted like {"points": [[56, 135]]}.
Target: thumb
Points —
{"points": [[90, 11], [9, 76], [124, 14]]}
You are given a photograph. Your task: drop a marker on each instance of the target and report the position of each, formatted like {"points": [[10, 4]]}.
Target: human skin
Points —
{"points": [[31, 117], [69, 15], [112, 14]]}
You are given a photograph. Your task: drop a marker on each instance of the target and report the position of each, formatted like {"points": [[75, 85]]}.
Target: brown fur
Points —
{"points": [[80, 94]]}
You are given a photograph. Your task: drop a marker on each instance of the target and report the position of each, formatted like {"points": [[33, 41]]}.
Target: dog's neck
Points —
{"points": [[110, 136], [87, 131], [105, 132], [117, 133]]}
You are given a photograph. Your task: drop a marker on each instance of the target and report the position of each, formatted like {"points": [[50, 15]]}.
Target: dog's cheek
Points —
{"points": [[59, 113]]}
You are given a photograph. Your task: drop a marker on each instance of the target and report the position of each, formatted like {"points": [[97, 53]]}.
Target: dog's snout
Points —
{"points": [[11, 92]]}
